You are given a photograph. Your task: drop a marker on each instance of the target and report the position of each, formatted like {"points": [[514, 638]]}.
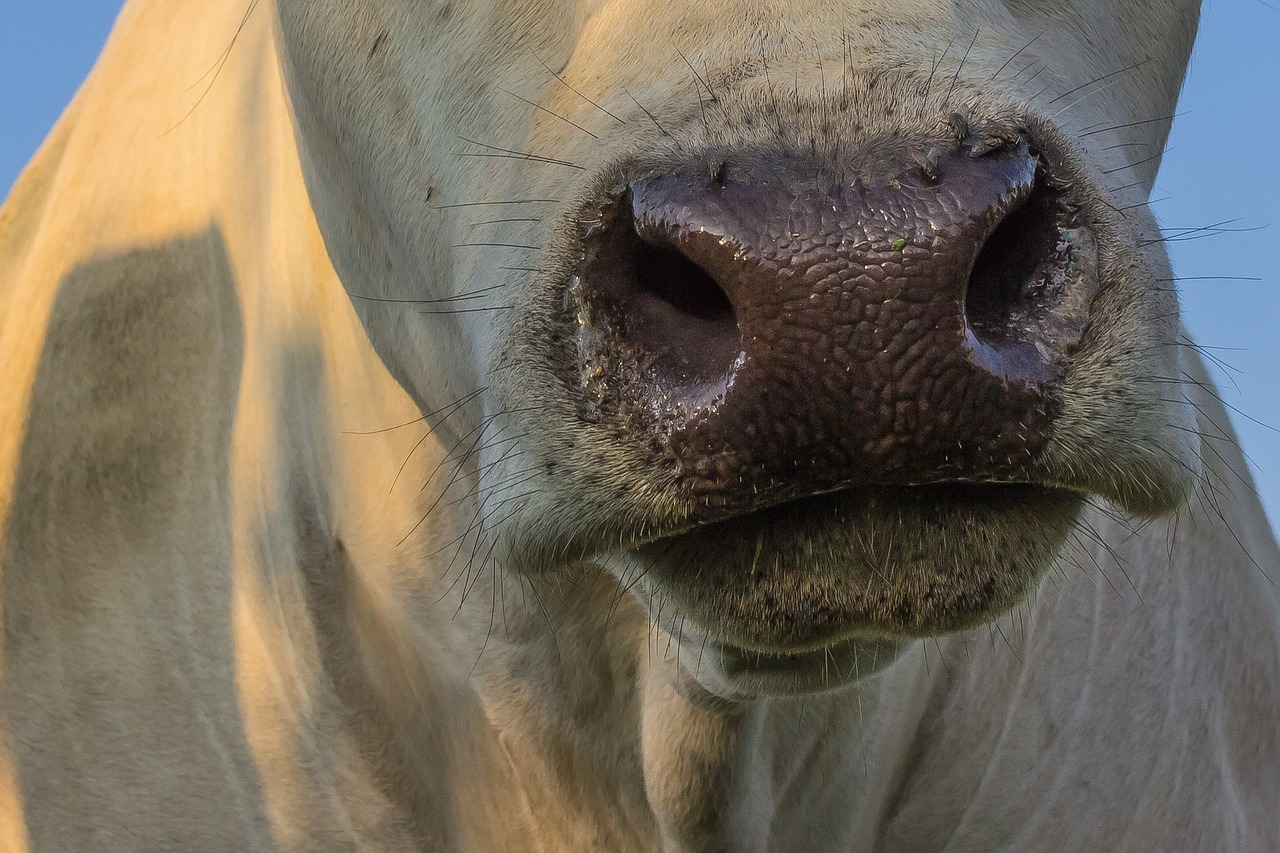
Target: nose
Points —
{"points": [[787, 331]]}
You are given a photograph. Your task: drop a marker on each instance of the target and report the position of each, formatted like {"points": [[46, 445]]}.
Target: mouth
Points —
{"points": [[821, 591]]}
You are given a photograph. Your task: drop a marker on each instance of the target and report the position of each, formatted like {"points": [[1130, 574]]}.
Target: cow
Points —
{"points": [[566, 425]]}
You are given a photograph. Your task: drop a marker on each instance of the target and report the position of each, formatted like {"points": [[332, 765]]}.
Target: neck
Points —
{"points": [[585, 732]]}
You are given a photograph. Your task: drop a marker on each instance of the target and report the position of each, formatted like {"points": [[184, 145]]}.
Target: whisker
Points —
{"points": [[697, 77], [1137, 204], [455, 405], [479, 433], [475, 294], [469, 310], [1040, 71], [1212, 278], [219, 64], [1155, 156], [1016, 54], [564, 83], [548, 112], [955, 77], [650, 115], [1127, 186], [1181, 235], [504, 221], [511, 154], [1109, 128], [494, 245], [1095, 80], [491, 203], [928, 85]]}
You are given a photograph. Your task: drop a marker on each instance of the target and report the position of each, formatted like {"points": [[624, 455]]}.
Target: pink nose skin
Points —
{"points": [[785, 334]]}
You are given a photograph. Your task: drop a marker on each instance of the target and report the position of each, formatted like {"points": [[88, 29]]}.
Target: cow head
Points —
{"points": [[814, 322]]}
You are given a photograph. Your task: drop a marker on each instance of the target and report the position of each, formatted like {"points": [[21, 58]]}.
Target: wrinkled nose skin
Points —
{"points": [[780, 333]]}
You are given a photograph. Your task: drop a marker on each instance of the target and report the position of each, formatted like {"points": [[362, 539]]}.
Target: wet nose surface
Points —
{"points": [[783, 333]]}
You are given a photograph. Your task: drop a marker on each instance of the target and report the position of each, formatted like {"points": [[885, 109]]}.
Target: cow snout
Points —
{"points": [[779, 328]]}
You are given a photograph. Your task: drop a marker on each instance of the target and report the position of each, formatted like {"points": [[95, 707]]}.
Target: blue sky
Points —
{"points": [[1220, 166]]}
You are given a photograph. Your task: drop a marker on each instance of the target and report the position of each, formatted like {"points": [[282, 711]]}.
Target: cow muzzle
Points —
{"points": [[785, 331]]}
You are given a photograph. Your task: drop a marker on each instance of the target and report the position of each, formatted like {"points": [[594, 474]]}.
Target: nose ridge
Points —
{"points": [[845, 331], [774, 226]]}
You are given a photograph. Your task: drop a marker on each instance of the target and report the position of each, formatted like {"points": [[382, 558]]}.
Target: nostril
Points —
{"points": [[1015, 273], [681, 283], [661, 309], [679, 317]]}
